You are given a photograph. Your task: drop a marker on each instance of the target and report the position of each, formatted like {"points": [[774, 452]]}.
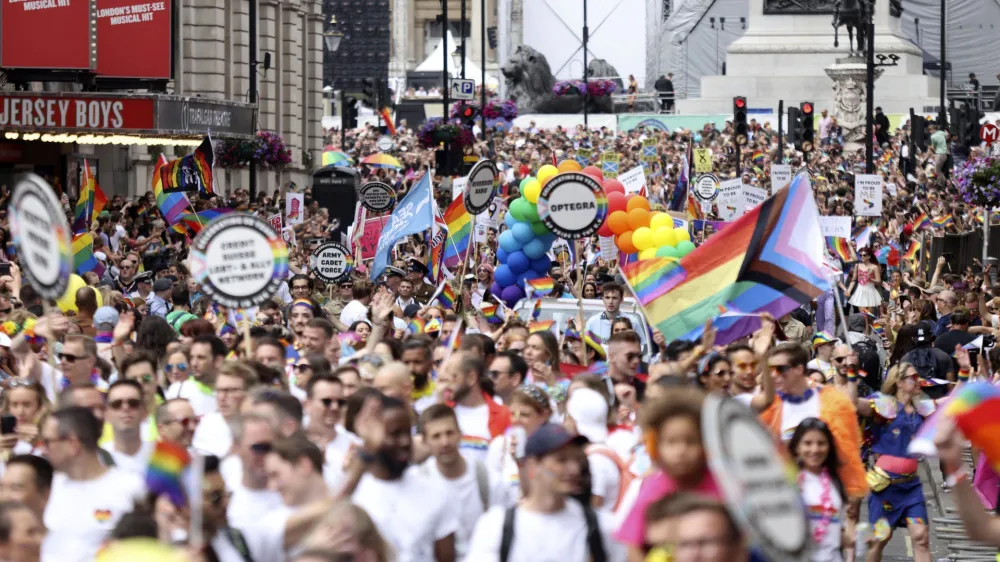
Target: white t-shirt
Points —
{"points": [[504, 473], [247, 507], [793, 414], [202, 403], [543, 537], [265, 536], [466, 496], [81, 514], [828, 549], [353, 312], [823, 367], [412, 513], [744, 398], [336, 451], [213, 435], [116, 238], [605, 478], [136, 463], [475, 426]]}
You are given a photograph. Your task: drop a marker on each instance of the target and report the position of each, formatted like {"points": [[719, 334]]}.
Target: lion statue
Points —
{"points": [[529, 82]]}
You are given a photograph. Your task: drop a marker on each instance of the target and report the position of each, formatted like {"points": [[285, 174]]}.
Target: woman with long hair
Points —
{"points": [[822, 491], [865, 282], [541, 352], [27, 402]]}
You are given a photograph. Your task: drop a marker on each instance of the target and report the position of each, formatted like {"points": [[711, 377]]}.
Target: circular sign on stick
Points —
{"points": [[756, 478], [239, 260], [706, 188], [378, 197], [41, 236], [572, 205], [332, 262], [481, 186], [384, 144], [989, 132]]}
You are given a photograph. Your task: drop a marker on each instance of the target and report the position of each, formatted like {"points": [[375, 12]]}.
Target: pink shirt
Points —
{"points": [[653, 488]]}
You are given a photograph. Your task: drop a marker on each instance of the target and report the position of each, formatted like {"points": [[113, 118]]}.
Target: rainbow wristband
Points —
{"points": [[963, 375], [852, 375]]}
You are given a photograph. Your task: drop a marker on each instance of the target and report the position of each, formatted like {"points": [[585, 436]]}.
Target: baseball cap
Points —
{"points": [[589, 411], [162, 285], [549, 438], [924, 334], [105, 315]]}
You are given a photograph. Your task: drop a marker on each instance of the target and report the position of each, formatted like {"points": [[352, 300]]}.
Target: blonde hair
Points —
{"points": [[896, 373], [362, 527]]}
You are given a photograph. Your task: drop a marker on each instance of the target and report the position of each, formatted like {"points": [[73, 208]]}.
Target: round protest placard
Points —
{"points": [[706, 188], [384, 144], [378, 197], [757, 479], [480, 189], [41, 236], [572, 205], [239, 260], [332, 262]]}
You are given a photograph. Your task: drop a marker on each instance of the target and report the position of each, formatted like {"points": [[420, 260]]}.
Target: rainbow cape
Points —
{"points": [[459, 240], [768, 260], [976, 410], [841, 248]]}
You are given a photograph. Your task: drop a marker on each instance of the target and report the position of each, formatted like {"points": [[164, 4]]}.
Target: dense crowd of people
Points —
{"points": [[371, 421]]}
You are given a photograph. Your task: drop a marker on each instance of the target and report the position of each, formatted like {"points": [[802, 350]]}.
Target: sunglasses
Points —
{"points": [[181, 367], [839, 359], [303, 367], [327, 402], [14, 383], [146, 379], [262, 448], [633, 356], [722, 374], [69, 357], [132, 403], [779, 369]]}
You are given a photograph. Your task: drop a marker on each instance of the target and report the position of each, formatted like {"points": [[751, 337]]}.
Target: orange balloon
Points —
{"points": [[569, 166], [624, 243], [618, 222], [638, 218], [637, 202]]}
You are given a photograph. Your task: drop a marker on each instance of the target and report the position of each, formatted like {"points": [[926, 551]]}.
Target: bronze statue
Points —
{"points": [[854, 15]]}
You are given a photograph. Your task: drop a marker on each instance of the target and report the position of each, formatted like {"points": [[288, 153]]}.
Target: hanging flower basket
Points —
{"points": [[596, 88], [506, 110], [978, 181], [267, 150], [436, 131]]}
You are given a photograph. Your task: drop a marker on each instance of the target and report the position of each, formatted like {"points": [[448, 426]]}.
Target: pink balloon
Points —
{"points": [[612, 185], [594, 172], [616, 202]]}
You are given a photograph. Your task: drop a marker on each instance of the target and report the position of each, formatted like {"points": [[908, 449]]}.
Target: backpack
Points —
{"points": [[594, 541], [869, 362], [923, 360], [625, 476]]}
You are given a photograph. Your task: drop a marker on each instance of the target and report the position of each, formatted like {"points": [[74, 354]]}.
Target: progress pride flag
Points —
{"points": [[45, 34]]}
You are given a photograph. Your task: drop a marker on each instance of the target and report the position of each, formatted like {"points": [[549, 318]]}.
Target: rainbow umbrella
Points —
{"points": [[382, 160], [336, 157]]}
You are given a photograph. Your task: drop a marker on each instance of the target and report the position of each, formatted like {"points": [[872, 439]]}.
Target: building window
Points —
{"points": [[667, 9]]}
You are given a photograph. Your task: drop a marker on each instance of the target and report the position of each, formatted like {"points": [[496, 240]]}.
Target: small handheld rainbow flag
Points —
{"points": [[446, 296], [417, 326], [433, 325], [923, 221], [387, 119], [943, 222], [165, 472], [541, 287], [758, 157], [454, 339], [841, 248], [540, 326], [493, 313], [911, 252], [536, 311]]}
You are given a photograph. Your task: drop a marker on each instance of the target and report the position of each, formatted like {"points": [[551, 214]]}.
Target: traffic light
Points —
{"points": [[740, 120], [370, 92], [349, 113], [808, 128], [794, 127]]}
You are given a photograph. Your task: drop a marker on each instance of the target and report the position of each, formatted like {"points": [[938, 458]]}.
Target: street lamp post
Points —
{"points": [[586, 82], [871, 64], [331, 40]]}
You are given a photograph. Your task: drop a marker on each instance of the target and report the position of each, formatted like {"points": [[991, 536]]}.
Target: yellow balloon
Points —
{"points": [[67, 302], [546, 172], [532, 190], [664, 236], [682, 234], [660, 219], [643, 238], [647, 254]]}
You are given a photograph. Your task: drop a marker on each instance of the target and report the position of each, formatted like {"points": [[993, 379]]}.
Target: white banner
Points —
{"points": [[753, 196], [781, 177], [835, 226], [868, 195], [730, 200], [608, 249], [458, 187], [633, 180]]}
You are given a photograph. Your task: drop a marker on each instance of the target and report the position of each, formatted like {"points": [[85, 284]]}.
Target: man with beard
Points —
{"points": [[300, 312], [744, 386], [417, 357], [479, 417], [412, 512]]}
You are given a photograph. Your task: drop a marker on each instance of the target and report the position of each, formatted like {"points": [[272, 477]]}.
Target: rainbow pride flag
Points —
{"points": [[975, 408], [173, 206], [194, 222], [83, 213], [541, 287], [417, 326], [841, 247], [768, 260], [446, 296], [192, 172], [387, 119], [100, 201], [943, 222], [84, 259], [493, 313], [165, 473], [911, 252], [758, 157], [536, 311], [433, 325], [923, 221], [459, 240], [540, 326]]}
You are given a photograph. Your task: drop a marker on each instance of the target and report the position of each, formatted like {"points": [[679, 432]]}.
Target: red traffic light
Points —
{"points": [[740, 102], [467, 112], [807, 108]]}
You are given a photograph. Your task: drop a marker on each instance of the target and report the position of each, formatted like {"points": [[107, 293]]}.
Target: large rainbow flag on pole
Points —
{"points": [[173, 206], [769, 260], [192, 172], [459, 240], [83, 213]]}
